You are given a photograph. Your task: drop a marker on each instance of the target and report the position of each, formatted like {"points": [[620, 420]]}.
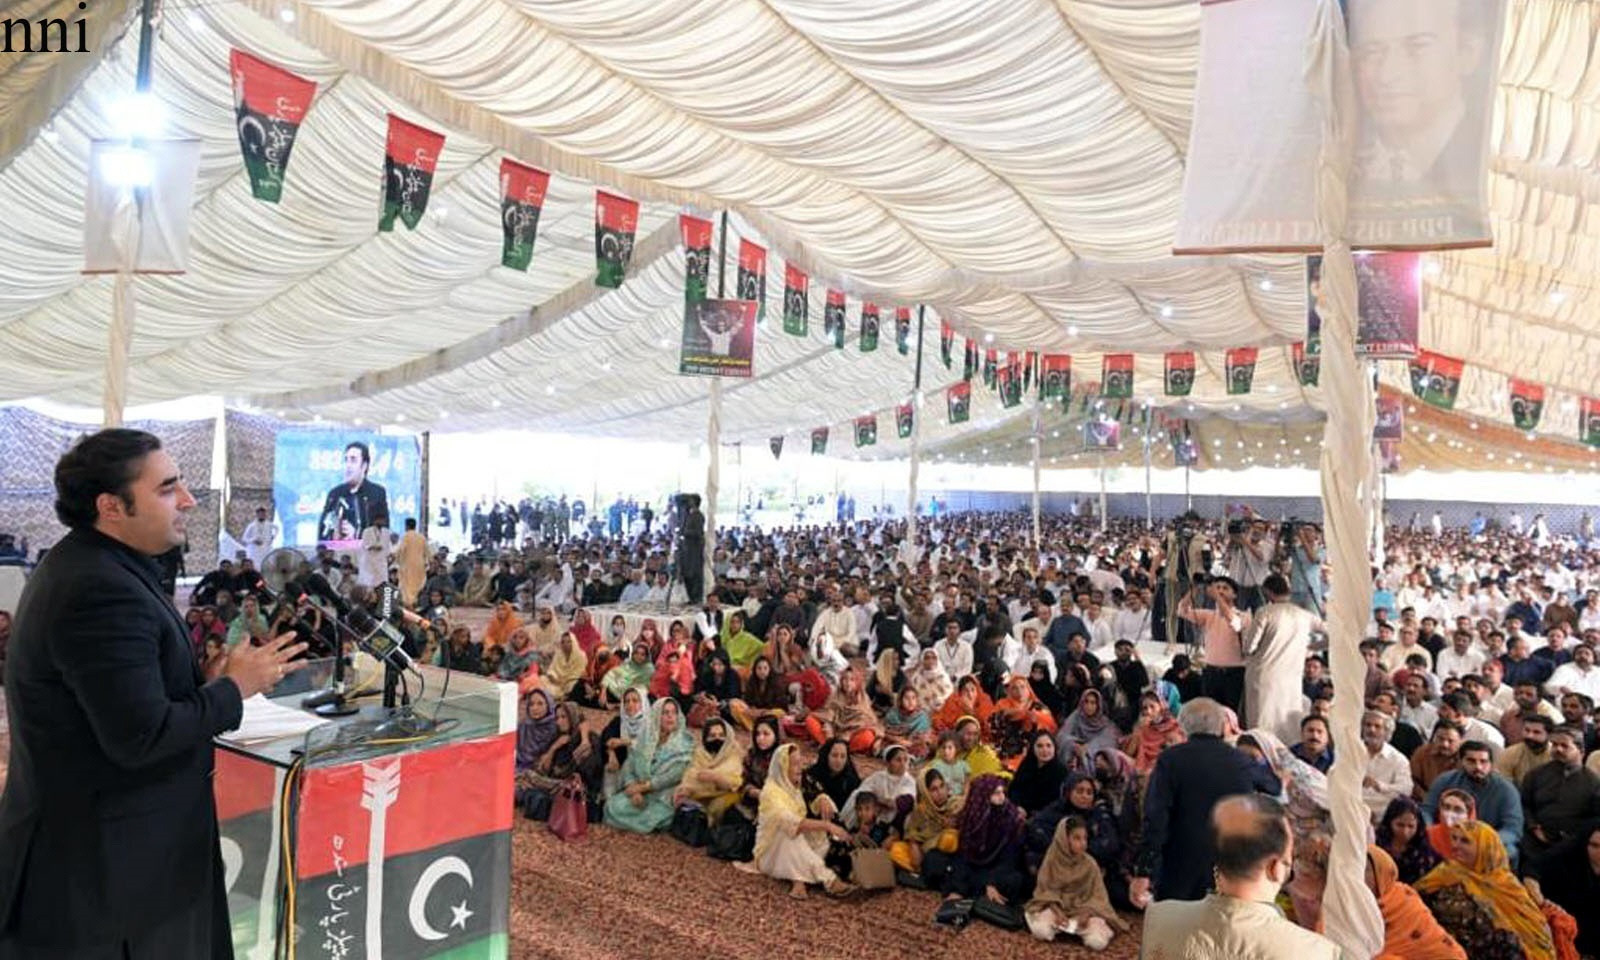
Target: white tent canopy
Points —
{"points": [[1015, 167]]}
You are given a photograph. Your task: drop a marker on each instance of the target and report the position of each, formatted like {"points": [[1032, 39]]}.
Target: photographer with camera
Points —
{"points": [[1302, 542], [1222, 631], [1248, 557]]}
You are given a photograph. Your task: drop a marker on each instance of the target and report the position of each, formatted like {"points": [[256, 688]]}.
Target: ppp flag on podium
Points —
{"points": [[246, 828], [383, 874], [522, 190], [269, 104], [411, 156], [616, 219]]}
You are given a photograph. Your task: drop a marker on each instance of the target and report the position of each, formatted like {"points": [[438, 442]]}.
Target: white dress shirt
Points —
{"points": [[1392, 771]]}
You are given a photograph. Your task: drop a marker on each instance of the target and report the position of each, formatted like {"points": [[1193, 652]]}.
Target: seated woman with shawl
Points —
{"points": [[931, 681], [849, 715], [969, 700], [1156, 730], [1087, 730], [789, 844], [476, 591], [624, 730], [650, 634], [978, 757], [655, 766], [988, 859], [536, 731], [567, 665], [907, 725], [764, 695], [1305, 796], [502, 623], [573, 753], [1456, 807], [1478, 901], [740, 644], [931, 826], [1110, 848], [715, 771], [1401, 836], [1120, 789], [764, 740], [585, 632], [1070, 895], [886, 680], [795, 672], [829, 781], [1016, 718], [1409, 930], [715, 689], [520, 658], [894, 788], [634, 672], [1039, 776], [674, 677]]}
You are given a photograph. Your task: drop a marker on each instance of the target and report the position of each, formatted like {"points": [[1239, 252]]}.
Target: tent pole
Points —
{"points": [[916, 433], [1104, 520], [714, 426], [422, 509], [1149, 510], [1038, 444]]}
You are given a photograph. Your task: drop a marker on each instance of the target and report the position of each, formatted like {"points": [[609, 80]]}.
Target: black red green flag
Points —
{"points": [[1527, 404], [958, 401], [1589, 420], [1436, 379], [1030, 362], [616, 220], [796, 300], [269, 104], [947, 343], [776, 443], [411, 156], [904, 419], [1308, 361], [375, 826], [522, 191], [819, 441], [1055, 376], [969, 360], [753, 276], [1116, 376], [991, 367], [1010, 385], [902, 330], [866, 430], [245, 791], [833, 318], [1179, 378], [1240, 368], [696, 233], [869, 327]]}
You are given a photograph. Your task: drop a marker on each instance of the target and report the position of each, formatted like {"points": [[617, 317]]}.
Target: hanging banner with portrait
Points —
{"points": [[719, 338]]}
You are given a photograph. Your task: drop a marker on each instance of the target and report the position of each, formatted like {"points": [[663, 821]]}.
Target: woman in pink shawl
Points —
{"points": [[584, 631], [674, 676]]}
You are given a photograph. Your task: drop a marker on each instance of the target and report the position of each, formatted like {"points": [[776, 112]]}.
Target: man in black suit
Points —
{"points": [[108, 828], [1175, 853], [353, 505]]}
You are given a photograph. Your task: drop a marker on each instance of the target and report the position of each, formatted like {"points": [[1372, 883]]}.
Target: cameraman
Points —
{"points": [[1305, 568], [1248, 558]]}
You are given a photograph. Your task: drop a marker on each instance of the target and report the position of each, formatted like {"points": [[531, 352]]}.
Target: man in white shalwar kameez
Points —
{"points": [[372, 565], [259, 536], [1275, 652]]}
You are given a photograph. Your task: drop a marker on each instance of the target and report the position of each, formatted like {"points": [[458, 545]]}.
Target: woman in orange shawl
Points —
{"points": [[585, 632], [1477, 898], [501, 625], [1155, 731], [849, 712], [969, 700], [1016, 718], [1409, 930]]}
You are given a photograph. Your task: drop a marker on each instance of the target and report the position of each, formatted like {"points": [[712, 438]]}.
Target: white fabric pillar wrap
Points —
{"points": [[1038, 443], [911, 479], [1350, 912], [1104, 522], [121, 341], [1149, 509], [713, 472]]}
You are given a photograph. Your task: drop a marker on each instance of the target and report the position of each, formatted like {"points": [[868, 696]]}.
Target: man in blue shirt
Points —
{"points": [[1498, 802], [1520, 667]]}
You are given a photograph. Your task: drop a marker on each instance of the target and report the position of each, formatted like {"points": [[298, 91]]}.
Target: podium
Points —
{"points": [[392, 845]]}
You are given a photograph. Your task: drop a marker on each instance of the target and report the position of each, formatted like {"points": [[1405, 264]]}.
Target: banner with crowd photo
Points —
{"points": [[1307, 356], [1239, 365], [1419, 175], [1179, 378], [616, 221], [1116, 376], [833, 318], [866, 430], [522, 193], [410, 158], [1389, 422], [381, 874], [329, 485], [775, 444], [753, 275], [1589, 420], [1389, 303], [905, 419], [902, 330], [796, 301], [696, 232], [269, 104], [1436, 379], [958, 401], [819, 441], [719, 338], [1101, 434], [1055, 376], [869, 327], [1527, 404]]}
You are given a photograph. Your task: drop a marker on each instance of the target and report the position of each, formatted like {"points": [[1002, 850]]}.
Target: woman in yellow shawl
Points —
{"points": [[931, 825], [1478, 900], [979, 757], [789, 844], [502, 624], [715, 771], [741, 645], [1070, 894], [567, 666], [1409, 931]]}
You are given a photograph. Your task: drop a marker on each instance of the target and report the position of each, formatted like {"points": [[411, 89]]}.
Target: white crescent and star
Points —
{"points": [[436, 871]]}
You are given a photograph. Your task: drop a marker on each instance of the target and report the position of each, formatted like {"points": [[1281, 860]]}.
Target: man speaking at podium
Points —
{"points": [[108, 826]]}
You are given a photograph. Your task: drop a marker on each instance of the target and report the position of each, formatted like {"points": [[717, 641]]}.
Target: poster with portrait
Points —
{"points": [[329, 485], [1101, 434], [1389, 422], [1424, 75], [719, 338]]}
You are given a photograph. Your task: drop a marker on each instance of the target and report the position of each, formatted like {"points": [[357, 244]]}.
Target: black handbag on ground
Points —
{"points": [[954, 913], [1004, 916], [734, 838], [535, 803], [689, 826]]}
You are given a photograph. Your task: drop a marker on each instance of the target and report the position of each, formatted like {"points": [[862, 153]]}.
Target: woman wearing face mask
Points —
{"points": [[1400, 833], [715, 772], [1455, 808], [988, 861], [1070, 895]]}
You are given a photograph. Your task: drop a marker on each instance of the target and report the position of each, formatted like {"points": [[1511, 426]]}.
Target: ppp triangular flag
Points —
{"points": [[616, 220], [522, 192], [269, 104], [696, 233], [410, 158]]}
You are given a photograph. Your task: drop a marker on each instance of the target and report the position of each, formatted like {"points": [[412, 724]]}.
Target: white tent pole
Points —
{"points": [[1038, 444], [713, 473], [1104, 521], [916, 433], [1350, 910], [123, 302], [1149, 510]]}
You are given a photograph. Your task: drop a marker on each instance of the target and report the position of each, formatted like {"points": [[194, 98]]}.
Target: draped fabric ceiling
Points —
{"points": [[1016, 167]]}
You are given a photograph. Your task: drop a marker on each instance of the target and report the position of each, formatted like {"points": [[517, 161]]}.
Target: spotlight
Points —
{"points": [[127, 166]]}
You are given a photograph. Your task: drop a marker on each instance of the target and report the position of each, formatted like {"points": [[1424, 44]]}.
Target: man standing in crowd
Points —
{"points": [[412, 558], [1275, 650], [259, 536], [1222, 630]]}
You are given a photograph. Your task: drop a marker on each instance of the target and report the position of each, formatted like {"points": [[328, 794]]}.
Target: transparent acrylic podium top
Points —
{"points": [[453, 706]]}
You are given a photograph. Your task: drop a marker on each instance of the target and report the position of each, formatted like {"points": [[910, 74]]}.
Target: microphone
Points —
{"points": [[374, 636]]}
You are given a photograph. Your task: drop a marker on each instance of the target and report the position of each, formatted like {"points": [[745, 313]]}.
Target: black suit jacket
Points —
{"points": [[108, 824]]}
